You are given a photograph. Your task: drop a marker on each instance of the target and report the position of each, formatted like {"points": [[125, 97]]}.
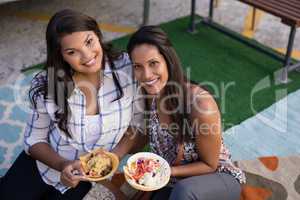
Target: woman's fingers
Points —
{"points": [[78, 173], [77, 166], [67, 172], [68, 182], [71, 182], [72, 174]]}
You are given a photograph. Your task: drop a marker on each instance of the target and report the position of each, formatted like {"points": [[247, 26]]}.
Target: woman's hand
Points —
{"points": [[71, 173]]}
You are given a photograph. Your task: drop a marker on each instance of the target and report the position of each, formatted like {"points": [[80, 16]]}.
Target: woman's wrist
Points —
{"points": [[173, 171], [63, 163], [117, 153]]}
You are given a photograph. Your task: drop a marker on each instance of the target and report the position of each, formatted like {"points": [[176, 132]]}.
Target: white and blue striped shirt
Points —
{"points": [[114, 117]]}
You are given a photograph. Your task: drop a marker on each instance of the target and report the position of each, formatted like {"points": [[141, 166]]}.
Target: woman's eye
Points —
{"points": [[153, 63], [70, 53], [136, 66], [89, 42]]}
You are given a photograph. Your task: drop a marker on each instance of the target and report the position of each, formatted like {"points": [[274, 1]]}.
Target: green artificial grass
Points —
{"points": [[219, 60]]}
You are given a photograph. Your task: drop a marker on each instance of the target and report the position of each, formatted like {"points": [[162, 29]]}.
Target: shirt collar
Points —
{"points": [[107, 70], [107, 73]]}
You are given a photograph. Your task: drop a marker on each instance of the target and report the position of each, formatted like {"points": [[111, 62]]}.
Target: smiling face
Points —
{"points": [[83, 52], [150, 68]]}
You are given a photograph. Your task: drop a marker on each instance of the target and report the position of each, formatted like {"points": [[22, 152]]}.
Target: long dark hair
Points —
{"points": [[59, 84], [177, 94]]}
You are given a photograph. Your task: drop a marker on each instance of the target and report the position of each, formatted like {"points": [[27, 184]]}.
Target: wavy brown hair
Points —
{"points": [[59, 84]]}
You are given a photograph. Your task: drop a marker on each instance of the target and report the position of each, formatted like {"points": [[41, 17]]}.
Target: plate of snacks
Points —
{"points": [[99, 164], [147, 171]]}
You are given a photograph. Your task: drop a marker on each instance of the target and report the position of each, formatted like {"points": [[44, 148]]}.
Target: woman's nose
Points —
{"points": [[86, 55], [147, 73]]}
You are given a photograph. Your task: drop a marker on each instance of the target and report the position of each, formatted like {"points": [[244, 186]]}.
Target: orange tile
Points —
{"points": [[254, 193], [270, 163]]}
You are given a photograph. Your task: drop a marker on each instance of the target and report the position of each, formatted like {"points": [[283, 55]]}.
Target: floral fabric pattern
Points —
{"points": [[163, 143]]}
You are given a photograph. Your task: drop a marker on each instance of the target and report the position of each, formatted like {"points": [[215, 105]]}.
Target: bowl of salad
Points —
{"points": [[147, 171]]}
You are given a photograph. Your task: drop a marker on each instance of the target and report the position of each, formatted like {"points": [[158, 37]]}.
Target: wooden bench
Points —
{"points": [[287, 10]]}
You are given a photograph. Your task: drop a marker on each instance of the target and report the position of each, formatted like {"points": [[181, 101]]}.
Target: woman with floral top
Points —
{"points": [[183, 123]]}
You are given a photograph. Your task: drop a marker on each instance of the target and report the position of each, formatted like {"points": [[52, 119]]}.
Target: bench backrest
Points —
{"points": [[287, 10]]}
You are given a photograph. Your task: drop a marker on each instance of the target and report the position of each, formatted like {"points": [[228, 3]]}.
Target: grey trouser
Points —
{"points": [[215, 186]]}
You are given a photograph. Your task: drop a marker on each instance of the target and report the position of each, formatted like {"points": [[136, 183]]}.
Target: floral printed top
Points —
{"points": [[163, 143]]}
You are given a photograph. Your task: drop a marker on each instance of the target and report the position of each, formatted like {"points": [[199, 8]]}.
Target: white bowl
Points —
{"points": [[165, 171]]}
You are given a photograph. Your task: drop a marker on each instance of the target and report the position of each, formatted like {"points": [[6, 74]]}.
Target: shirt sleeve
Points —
{"points": [[38, 124]]}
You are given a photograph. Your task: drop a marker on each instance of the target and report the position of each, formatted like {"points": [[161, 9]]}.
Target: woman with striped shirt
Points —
{"points": [[82, 100]]}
